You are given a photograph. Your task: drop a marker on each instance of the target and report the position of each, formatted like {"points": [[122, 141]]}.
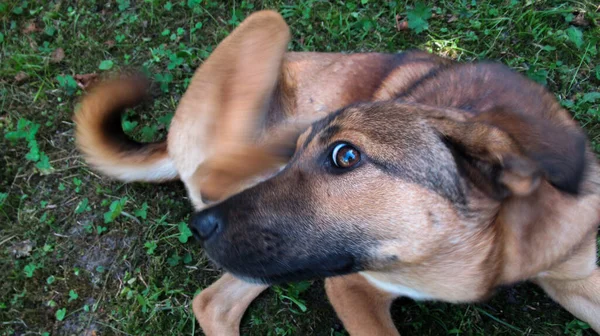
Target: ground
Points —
{"points": [[83, 255]]}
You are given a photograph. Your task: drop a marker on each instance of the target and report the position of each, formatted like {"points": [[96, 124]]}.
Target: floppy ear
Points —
{"points": [[233, 90], [238, 165], [507, 153], [241, 75]]}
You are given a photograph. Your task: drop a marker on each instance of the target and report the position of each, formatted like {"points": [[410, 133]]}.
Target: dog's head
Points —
{"points": [[379, 185]]}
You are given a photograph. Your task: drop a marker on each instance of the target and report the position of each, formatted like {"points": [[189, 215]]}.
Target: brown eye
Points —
{"points": [[345, 156]]}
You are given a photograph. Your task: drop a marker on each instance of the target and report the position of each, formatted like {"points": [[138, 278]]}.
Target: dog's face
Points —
{"points": [[369, 187], [388, 187]]}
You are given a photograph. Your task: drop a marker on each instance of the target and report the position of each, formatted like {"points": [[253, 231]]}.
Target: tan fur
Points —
{"points": [[219, 308], [404, 76], [362, 308], [104, 153], [575, 283], [227, 96], [247, 106]]}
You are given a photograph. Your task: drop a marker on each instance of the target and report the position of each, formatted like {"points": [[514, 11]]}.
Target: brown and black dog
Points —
{"points": [[422, 177]]}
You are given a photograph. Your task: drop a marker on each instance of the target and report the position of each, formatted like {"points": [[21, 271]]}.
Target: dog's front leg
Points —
{"points": [[581, 297], [363, 309], [220, 307]]}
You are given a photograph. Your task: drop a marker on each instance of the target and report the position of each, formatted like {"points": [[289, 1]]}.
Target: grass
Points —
{"points": [[82, 255]]}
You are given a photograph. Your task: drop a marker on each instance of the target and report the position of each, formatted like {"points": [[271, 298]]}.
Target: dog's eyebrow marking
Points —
{"points": [[319, 125], [328, 133]]}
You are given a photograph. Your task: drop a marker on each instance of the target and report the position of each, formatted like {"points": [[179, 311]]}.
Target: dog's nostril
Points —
{"points": [[204, 224]]}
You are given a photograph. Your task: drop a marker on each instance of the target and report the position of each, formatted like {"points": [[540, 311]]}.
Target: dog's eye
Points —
{"points": [[345, 156]]}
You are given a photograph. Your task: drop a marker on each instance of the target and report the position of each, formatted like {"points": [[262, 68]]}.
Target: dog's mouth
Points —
{"points": [[274, 271]]}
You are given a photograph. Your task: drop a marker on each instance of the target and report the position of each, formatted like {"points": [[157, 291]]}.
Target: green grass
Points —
{"points": [[80, 253]]}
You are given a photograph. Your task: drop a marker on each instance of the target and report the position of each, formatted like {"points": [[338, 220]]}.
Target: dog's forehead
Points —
{"points": [[381, 123]]}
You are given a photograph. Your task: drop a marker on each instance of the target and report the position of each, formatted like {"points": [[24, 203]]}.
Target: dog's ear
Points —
{"points": [[507, 153], [238, 166], [233, 88], [241, 74]]}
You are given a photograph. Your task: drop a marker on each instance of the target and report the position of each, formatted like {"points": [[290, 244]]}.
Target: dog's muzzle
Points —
{"points": [[252, 245]]}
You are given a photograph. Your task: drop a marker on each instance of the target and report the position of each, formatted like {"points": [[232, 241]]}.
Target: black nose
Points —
{"points": [[206, 223]]}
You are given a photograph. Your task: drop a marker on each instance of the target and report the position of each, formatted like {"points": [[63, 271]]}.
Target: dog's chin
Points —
{"points": [[279, 272]]}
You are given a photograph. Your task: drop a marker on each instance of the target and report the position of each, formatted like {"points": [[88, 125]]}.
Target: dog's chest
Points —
{"points": [[396, 289]]}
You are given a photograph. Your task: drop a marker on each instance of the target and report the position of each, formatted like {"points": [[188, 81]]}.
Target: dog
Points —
{"points": [[386, 174]]}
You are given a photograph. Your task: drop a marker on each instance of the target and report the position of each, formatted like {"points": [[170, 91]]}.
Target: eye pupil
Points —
{"points": [[348, 156], [345, 156]]}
